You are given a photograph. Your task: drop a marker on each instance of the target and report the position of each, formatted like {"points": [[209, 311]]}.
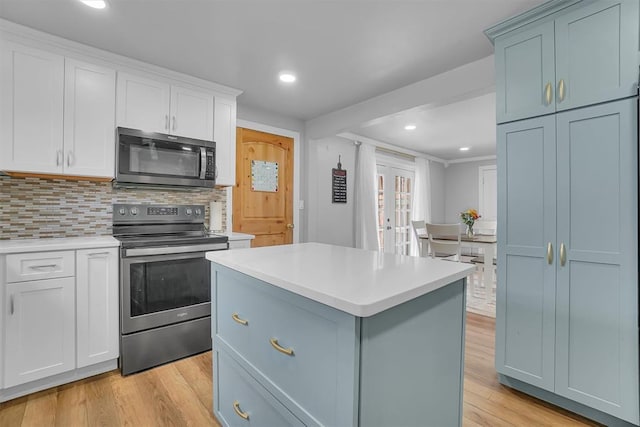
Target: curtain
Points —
{"points": [[421, 203], [366, 208]]}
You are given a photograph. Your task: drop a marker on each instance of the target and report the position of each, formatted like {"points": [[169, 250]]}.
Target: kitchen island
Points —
{"points": [[313, 334]]}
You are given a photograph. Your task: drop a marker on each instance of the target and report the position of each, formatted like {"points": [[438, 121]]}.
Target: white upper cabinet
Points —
{"points": [[225, 137], [31, 109], [57, 114], [154, 106], [586, 55], [142, 103], [191, 113], [89, 125]]}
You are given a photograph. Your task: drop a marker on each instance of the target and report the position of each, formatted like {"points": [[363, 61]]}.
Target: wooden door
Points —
{"points": [[597, 285], [525, 74], [525, 299], [263, 195]]}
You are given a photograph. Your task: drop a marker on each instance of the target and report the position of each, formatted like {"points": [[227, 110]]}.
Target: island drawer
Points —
{"points": [[242, 401], [40, 265], [296, 344]]}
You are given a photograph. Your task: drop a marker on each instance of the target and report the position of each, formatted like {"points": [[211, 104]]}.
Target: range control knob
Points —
{"points": [[134, 211], [189, 211], [198, 212], [122, 211]]}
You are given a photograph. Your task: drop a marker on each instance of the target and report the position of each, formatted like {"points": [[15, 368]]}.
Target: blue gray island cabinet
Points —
{"points": [[320, 335]]}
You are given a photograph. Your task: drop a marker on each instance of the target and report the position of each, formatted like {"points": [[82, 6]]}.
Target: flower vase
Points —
{"points": [[470, 231]]}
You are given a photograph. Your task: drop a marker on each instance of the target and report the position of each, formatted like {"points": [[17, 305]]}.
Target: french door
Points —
{"points": [[395, 189]]}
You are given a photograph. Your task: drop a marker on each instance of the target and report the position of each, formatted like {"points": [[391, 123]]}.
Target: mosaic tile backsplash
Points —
{"points": [[41, 208]]}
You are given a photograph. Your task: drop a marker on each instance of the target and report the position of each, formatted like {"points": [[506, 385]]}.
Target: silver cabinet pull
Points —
{"points": [[70, 158], [12, 307], [99, 254], [59, 157], [36, 267], [173, 126], [166, 121], [563, 254]]}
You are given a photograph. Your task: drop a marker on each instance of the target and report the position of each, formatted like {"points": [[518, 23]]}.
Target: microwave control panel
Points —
{"points": [[210, 173]]}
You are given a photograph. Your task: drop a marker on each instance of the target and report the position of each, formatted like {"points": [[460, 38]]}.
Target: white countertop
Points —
{"points": [[359, 282], [240, 236], [59, 244]]}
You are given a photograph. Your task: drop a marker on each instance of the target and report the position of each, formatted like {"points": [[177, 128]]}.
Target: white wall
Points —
{"points": [[437, 192], [330, 222], [461, 188]]}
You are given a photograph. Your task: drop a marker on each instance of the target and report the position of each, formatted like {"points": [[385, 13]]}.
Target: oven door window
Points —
{"points": [[168, 284]]}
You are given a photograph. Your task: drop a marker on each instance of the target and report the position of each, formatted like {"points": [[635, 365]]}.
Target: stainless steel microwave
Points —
{"points": [[164, 160]]}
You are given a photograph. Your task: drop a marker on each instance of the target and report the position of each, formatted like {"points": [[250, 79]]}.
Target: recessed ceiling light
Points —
{"points": [[464, 148], [410, 127], [287, 77], [96, 4]]}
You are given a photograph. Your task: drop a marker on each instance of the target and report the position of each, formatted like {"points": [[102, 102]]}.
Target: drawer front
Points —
{"points": [[293, 342], [239, 244], [40, 265], [241, 401]]}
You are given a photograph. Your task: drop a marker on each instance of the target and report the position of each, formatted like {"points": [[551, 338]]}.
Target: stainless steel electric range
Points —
{"points": [[165, 284]]}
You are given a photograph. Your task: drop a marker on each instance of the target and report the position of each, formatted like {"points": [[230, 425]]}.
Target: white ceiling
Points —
{"points": [[343, 51]]}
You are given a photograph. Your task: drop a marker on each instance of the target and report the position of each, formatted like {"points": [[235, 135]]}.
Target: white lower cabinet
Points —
{"points": [[40, 329], [58, 329], [97, 307]]}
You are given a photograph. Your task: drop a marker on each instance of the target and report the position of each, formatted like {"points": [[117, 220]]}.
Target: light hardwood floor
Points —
{"points": [[180, 394]]}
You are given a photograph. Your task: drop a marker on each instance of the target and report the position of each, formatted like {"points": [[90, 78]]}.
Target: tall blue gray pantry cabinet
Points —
{"points": [[567, 148]]}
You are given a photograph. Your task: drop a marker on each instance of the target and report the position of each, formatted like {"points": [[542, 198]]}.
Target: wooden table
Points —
{"points": [[488, 245]]}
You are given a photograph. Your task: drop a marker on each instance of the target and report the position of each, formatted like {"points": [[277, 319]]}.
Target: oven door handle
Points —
{"points": [[169, 250], [203, 162]]}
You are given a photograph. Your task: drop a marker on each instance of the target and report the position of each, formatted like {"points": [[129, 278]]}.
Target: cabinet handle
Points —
{"points": [[36, 267], [59, 157], [235, 317], [166, 121], [99, 254], [238, 411], [563, 254], [70, 158], [11, 309], [549, 253], [274, 344], [173, 126], [561, 90], [548, 95]]}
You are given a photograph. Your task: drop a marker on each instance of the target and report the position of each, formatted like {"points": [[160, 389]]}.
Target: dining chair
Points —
{"points": [[445, 248], [420, 229], [486, 228]]}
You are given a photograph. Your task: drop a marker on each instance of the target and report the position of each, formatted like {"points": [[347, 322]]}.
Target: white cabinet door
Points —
{"points": [[97, 295], [142, 103], [89, 119], [191, 113], [31, 106], [39, 330], [225, 137]]}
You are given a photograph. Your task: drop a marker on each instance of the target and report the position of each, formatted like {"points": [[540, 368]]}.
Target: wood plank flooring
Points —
{"points": [[180, 394]]}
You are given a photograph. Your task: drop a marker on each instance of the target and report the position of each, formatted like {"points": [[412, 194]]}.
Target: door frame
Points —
{"points": [[296, 172]]}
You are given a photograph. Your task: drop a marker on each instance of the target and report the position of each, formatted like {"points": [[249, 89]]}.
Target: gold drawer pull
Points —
{"points": [[236, 408], [274, 344], [235, 317]]}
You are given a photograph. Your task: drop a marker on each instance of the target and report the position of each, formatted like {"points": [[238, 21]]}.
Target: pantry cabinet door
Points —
{"points": [[191, 113], [597, 53], [31, 109], [142, 104], [89, 119], [525, 296], [225, 138], [525, 73], [97, 296], [39, 330], [597, 288]]}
